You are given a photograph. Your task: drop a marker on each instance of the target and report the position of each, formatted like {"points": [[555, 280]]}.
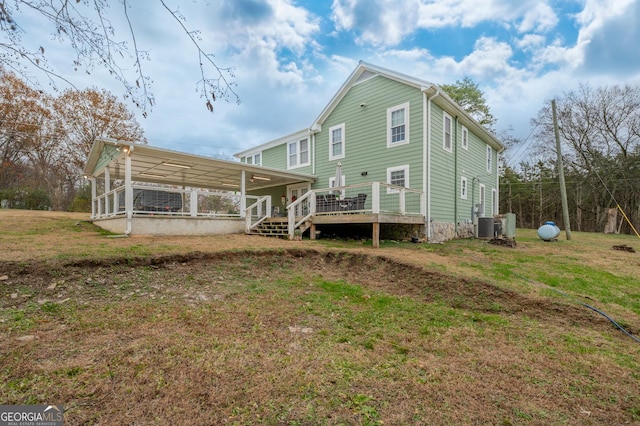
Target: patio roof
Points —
{"points": [[163, 166]]}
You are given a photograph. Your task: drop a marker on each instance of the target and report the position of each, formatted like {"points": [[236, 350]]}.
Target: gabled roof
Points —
{"points": [[365, 70], [362, 72], [275, 142]]}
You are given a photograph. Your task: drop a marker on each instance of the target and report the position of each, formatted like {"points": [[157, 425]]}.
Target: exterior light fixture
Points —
{"points": [[181, 166], [283, 199], [256, 177], [151, 175]]}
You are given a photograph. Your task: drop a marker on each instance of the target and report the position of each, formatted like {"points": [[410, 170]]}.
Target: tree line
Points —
{"points": [[45, 141], [600, 144]]}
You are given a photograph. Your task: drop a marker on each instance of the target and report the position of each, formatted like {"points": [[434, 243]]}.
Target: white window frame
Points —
{"points": [[494, 202], [251, 158], [297, 154], [331, 130], [448, 148], [405, 169], [489, 159], [481, 198], [390, 111], [464, 187], [465, 138]]}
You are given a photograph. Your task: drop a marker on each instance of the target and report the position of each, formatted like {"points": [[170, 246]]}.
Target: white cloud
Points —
{"points": [[389, 22]]}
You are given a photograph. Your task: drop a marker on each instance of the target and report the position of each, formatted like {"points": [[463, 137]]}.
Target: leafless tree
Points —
{"points": [[87, 27]]}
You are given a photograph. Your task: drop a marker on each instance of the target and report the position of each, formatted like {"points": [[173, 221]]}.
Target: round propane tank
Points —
{"points": [[549, 231]]}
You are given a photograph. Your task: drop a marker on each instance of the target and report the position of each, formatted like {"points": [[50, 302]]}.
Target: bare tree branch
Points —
{"points": [[86, 27]]}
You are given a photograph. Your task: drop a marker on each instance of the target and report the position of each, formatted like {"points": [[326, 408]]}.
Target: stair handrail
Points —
{"points": [[264, 200], [291, 212]]}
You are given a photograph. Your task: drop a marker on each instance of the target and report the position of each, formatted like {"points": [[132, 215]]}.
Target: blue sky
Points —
{"points": [[290, 57]]}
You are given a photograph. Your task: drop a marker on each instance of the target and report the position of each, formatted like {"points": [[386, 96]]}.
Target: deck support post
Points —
{"points": [[312, 232], [376, 234]]}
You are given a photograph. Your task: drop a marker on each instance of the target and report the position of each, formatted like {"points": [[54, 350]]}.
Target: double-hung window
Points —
{"points": [[254, 159], [398, 125], [298, 153], [489, 158], [398, 176], [446, 132], [336, 142], [463, 187], [465, 138]]}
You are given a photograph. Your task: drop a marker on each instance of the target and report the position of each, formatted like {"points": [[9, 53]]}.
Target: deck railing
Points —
{"points": [[365, 198], [257, 212]]}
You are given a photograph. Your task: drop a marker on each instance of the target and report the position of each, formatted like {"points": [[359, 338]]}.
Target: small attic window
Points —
{"points": [[366, 75]]}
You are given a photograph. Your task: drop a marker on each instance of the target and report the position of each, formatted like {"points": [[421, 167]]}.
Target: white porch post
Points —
{"points": [[107, 188], [375, 194], [243, 195], [403, 198], [193, 203], [93, 197], [128, 191]]}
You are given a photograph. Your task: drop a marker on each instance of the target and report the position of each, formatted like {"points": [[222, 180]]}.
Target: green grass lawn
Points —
{"points": [[326, 332]]}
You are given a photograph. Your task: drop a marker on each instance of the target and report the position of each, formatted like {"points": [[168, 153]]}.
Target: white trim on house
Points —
{"points": [[447, 136], [405, 178], [301, 157], [255, 159], [398, 134], [464, 138], [333, 142], [494, 201], [464, 187], [489, 160], [273, 143]]}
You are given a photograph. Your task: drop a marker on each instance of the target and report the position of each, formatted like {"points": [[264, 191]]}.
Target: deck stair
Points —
{"points": [[272, 227]]}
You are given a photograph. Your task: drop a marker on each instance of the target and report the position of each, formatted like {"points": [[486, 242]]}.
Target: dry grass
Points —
{"points": [[224, 331]]}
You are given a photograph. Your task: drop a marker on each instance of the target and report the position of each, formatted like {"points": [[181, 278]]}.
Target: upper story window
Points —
{"points": [[489, 158], [254, 159], [398, 125], [446, 131], [465, 138], [336, 142], [398, 176], [298, 152]]}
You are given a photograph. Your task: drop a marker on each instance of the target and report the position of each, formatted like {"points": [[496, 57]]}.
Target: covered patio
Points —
{"points": [[141, 190]]}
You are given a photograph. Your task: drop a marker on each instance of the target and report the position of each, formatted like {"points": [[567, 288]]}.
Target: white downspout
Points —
{"points": [[429, 163]]}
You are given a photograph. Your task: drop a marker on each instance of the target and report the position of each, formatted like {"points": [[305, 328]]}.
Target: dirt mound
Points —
{"points": [[372, 272]]}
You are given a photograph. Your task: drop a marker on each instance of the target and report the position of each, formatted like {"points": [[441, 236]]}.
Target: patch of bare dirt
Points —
{"points": [[373, 272]]}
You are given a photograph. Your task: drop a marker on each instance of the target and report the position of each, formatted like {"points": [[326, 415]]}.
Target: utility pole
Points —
{"points": [[563, 188]]}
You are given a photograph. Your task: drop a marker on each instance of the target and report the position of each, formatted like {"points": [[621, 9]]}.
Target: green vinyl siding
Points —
{"points": [[444, 184], [448, 167], [277, 157], [365, 135]]}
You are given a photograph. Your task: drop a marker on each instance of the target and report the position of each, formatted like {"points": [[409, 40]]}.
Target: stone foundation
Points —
{"points": [[444, 231]]}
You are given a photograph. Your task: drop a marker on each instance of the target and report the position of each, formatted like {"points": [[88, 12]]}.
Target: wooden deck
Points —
{"points": [[356, 218]]}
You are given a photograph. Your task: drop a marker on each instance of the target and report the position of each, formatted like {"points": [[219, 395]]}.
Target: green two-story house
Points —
{"points": [[392, 146]]}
